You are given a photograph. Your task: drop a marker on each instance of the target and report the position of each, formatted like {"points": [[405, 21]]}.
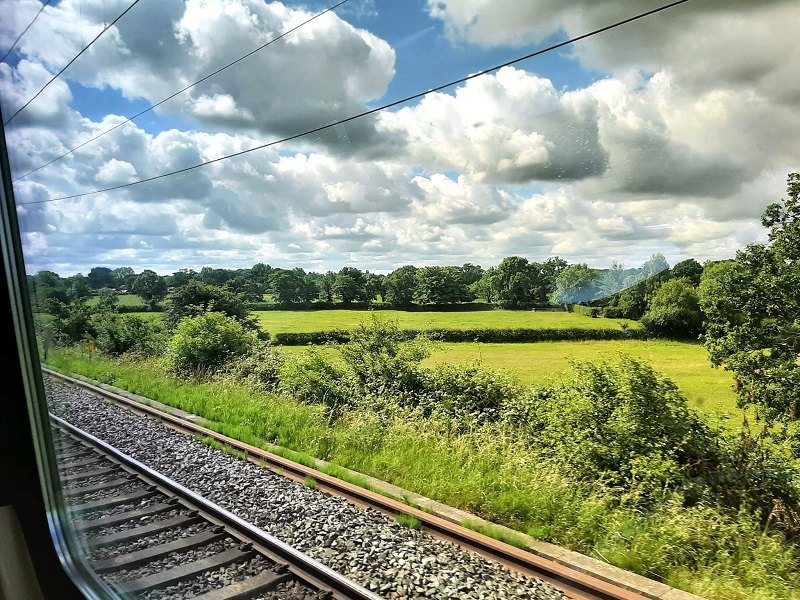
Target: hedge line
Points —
{"points": [[137, 308], [463, 306], [495, 336], [586, 311]]}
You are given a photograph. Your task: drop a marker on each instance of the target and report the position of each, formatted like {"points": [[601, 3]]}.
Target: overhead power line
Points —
{"points": [[180, 91], [24, 31], [74, 58], [367, 112]]}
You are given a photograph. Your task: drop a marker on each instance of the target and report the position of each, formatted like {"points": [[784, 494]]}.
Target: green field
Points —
{"points": [[124, 300], [705, 387], [291, 321]]}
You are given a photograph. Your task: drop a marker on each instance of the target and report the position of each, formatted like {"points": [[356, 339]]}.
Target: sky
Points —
{"points": [[670, 134]]}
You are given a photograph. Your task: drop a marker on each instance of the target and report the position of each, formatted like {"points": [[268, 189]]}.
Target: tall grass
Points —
{"points": [[490, 472]]}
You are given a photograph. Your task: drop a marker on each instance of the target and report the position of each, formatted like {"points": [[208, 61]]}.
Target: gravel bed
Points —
{"points": [[146, 542], [173, 560], [212, 580], [146, 520], [392, 560], [121, 508], [290, 590], [74, 485]]}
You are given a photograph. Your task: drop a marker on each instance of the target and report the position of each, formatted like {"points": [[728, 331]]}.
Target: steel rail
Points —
{"points": [[574, 583], [304, 567]]}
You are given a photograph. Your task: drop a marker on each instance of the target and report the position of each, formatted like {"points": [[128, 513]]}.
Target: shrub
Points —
{"points": [[586, 311], [311, 379], [207, 342], [119, 334], [261, 366], [196, 298], [382, 364], [470, 390], [674, 311], [623, 424]]}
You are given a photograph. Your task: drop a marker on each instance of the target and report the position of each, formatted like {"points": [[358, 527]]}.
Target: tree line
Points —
{"points": [[516, 283]]}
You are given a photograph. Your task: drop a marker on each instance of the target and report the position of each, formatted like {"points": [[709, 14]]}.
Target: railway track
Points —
{"points": [[573, 582], [147, 536]]}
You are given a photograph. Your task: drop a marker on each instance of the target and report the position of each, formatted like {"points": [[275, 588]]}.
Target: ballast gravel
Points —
{"points": [[394, 561]]}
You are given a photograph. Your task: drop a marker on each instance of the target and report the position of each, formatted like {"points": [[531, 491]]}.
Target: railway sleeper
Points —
{"points": [[145, 530], [186, 571], [125, 517]]}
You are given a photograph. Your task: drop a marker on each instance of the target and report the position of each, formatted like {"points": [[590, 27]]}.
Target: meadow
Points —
{"points": [[291, 321]]}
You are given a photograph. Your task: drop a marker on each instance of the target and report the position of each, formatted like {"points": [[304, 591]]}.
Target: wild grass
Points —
{"points": [[489, 471], [124, 300], [408, 521]]}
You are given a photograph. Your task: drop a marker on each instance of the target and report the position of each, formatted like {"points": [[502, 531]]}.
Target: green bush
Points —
{"points": [[470, 391], [620, 423], [382, 364], [311, 379], [674, 311], [586, 311], [119, 334], [261, 366], [207, 342], [488, 336]]}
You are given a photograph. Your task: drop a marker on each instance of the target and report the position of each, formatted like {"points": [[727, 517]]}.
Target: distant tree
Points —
{"points": [[690, 269], [216, 276], [752, 307], [654, 265], [181, 278], [47, 285], [196, 298], [373, 286], [77, 287], [400, 285], [287, 286], [349, 285], [470, 273], [150, 287], [576, 284], [612, 280], [674, 311], [247, 287], [101, 277], [485, 286], [440, 285], [549, 270], [325, 284], [512, 282], [123, 277]]}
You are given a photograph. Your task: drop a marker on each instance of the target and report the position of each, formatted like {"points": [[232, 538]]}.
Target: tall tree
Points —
{"points": [[400, 285], [150, 287], [752, 307], [123, 277], [690, 269], [101, 277], [513, 281], [576, 284], [440, 285]]}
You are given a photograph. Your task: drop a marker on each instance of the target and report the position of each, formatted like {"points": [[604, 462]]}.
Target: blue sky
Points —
{"points": [[610, 150]]}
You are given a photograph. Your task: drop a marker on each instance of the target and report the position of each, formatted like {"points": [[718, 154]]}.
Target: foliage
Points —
{"points": [[47, 285], [575, 284], [71, 323], [197, 298], [101, 277], [440, 285], [261, 367], [621, 423], [487, 335], [400, 285], [674, 311], [753, 312], [690, 269], [291, 287], [311, 379], [586, 311], [117, 334], [381, 364], [470, 392], [206, 342]]}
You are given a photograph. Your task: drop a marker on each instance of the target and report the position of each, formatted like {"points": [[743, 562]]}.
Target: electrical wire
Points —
{"points": [[171, 96], [367, 112], [74, 58], [24, 31]]}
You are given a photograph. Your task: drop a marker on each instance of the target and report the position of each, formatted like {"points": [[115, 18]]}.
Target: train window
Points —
{"points": [[518, 274]]}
